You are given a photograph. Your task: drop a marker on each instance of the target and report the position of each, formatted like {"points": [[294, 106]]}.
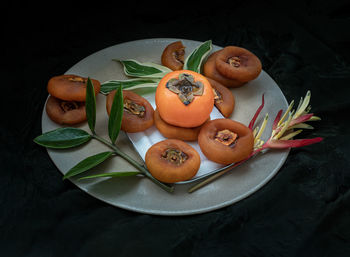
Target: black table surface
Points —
{"points": [[303, 211]]}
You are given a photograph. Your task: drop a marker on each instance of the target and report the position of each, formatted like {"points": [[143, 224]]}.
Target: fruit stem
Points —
{"points": [[220, 173], [144, 171]]}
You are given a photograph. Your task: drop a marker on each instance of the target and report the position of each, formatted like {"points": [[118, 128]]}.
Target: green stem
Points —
{"points": [[211, 178], [220, 173], [144, 171]]}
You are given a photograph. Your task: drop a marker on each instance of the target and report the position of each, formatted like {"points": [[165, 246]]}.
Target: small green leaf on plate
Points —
{"points": [[62, 138], [116, 115], [134, 68], [194, 61], [90, 105], [114, 174], [129, 84], [87, 164]]}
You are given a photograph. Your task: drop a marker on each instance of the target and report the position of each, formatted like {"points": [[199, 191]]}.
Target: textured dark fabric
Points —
{"points": [[303, 211]]}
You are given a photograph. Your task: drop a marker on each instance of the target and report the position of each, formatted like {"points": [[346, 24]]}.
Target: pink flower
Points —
{"points": [[283, 128]]}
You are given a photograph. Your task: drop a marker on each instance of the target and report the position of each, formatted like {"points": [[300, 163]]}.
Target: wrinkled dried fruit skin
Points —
{"points": [[168, 171], [65, 113], [173, 56], [173, 111], [70, 87], [218, 152], [175, 132], [238, 63], [210, 71], [225, 101], [133, 122]]}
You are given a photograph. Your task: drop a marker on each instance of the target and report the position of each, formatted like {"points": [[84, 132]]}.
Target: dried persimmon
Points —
{"points": [[70, 87], [173, 56], [172, 160], [210, 71], [225, 141], [184, 98], [138, 112], [175, 132], [223, 98], [65, 112], [238, 63]]}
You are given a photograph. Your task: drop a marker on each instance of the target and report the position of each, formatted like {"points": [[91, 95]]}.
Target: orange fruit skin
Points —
{"points": [[210, 71], [220, 153], [168, 172], [173, 55], [175, 132], [58, 115], [61, 87], [132, 123], [174, 112], [249, 68], [227, 105]]}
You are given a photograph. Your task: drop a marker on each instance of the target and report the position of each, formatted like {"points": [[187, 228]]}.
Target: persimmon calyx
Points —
{"points": [[234, 61], [134, 108], [226, 137], [185, 87], [174, 156], [68, 106]]}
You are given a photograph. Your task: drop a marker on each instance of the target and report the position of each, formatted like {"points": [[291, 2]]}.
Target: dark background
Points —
{"points": [[303, 211]]}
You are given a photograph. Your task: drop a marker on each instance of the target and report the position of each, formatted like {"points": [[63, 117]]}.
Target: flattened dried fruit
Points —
{"points": [[173, 56], [184, 98], [172, 160], [70, 87], [226, 141], [65, 112], [175, 132], [223, 98], [210, 71], [138, 112], [238, 63]]}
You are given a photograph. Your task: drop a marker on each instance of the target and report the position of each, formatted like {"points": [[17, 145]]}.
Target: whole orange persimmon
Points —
{"points": [[184, 98]]}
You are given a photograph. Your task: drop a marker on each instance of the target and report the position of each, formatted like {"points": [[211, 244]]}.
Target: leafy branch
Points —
{"points": [[145, 77], [68, 137]]}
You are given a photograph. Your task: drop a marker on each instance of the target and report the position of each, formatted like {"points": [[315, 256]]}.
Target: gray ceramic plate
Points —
{"points": [[140, 194]]}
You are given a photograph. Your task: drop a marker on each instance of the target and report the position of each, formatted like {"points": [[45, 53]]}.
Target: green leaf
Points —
{"points": [[63, 138], [114, 174], [194, 61], [116, 115], [90, 105], [129, 84], [144, 90], [87, 164], [134, 68]]}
